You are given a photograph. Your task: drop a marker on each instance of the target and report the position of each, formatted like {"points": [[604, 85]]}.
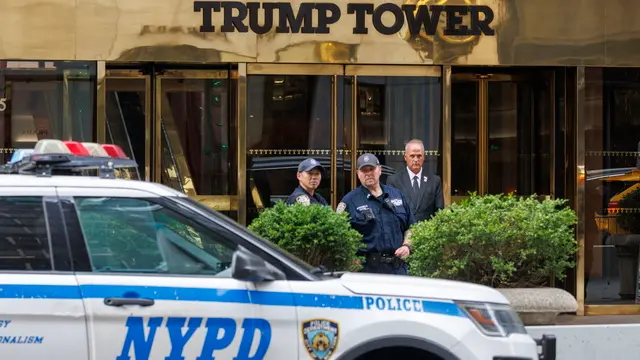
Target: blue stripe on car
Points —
{"points": [[237, 296]]}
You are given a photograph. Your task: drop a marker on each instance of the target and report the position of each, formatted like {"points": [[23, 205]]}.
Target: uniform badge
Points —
{"points": [[396, 202], [341, 207], [320, 338], [303, 199]]}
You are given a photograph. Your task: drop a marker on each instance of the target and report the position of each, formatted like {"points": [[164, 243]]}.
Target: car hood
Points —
{"points": [[410, 286]]}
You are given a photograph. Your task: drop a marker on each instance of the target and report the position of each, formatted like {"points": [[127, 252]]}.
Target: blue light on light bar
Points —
{"points": [[19, 155]]}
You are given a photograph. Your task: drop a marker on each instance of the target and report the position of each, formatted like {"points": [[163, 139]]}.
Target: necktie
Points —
{"points": [[415, 184]]}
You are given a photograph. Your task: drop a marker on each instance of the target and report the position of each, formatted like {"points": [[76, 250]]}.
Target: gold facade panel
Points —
{"points": [[543, 32], [241, 116]]}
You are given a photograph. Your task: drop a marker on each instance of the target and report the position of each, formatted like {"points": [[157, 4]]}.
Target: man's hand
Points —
{"points": [[402, 252]]}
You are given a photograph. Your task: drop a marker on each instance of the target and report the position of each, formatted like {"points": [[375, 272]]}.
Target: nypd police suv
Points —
{"points": [[95, 267]]}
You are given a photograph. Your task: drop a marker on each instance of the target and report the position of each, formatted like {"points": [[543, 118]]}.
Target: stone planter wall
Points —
{"points": [[540, 306]]}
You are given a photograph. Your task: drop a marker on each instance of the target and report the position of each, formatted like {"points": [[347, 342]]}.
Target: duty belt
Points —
{"points": [[375, 259]]}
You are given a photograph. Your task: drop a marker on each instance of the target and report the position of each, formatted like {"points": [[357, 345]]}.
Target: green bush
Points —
{"points": [[629, 216], [496, 240], [315, 233]]}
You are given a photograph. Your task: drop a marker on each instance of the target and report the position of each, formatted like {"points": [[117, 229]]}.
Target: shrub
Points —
{"points": [[629, 216], [496, 240], [314, 233]]}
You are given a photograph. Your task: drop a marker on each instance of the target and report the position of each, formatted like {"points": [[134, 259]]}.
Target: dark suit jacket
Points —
{"points": [[429, 198]]}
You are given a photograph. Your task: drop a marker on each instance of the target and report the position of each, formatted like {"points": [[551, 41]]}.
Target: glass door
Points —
{"points": [[195, 136], [292, 114], [389, 106], [128, 117], [502, 134]]}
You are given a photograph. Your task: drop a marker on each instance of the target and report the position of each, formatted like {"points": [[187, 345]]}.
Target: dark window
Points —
{"points": [[140, 236], [24, 244]]}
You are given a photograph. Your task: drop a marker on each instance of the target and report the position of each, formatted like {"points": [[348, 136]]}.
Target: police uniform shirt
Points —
{"points": [[382, 221], [301, 196]]}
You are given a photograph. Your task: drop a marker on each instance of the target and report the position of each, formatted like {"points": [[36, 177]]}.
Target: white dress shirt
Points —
{"points": [[411, 175]]}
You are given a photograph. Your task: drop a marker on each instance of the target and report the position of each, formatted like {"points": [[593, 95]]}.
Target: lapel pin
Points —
{"points": [[425, 179]]}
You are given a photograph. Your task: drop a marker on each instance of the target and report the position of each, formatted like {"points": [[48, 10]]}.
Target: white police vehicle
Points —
{"points": [[94, 267]]}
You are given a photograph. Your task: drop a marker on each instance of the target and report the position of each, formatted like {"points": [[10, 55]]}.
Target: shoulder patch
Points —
{"points": [[396, 202], [341, 207], [303, 199]]}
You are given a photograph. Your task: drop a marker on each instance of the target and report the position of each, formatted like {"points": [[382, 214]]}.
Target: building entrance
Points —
{"points": [[180, 126], [334, 113], [503, 132]]}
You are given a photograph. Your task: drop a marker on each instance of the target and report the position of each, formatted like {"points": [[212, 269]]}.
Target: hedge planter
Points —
{"points": [[316, 234], [505, 242]]}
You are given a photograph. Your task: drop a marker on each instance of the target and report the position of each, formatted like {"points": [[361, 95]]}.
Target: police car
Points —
{"points": [[96, 267]]}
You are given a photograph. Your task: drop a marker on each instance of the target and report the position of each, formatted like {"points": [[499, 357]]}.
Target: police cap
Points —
{"points": [[367, 160], [309, 164]]}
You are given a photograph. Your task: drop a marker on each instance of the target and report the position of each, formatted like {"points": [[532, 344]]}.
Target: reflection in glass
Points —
{"points": [[198, 133], [391, 110], [288, 120], [612, 141], [45, 100], [125, 120], [464, 130], [519, 150], [515, 117]]}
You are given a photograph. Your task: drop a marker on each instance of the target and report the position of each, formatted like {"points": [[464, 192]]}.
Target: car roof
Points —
{"points": [[13, 180]]}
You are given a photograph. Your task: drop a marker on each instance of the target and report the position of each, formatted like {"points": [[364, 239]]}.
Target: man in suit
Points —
{"points": [[424, 191]]}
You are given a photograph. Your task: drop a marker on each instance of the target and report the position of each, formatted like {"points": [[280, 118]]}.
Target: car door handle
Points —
{"points": [[128, 301]]}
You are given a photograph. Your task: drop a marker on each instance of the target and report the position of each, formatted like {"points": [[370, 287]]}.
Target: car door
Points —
{"points": [[157, 284], [41, 310]]}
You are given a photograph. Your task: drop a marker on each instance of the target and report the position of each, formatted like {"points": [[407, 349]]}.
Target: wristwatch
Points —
{"points": [[408, 246]]}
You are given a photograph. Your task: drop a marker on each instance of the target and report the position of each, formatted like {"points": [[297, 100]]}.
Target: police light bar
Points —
{"points": [[68, 157]]}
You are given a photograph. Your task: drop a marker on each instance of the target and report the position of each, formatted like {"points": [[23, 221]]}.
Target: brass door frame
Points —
{"points": [[375, 70], [217, 202], [312, 69], [121, 74], [483, 79]]}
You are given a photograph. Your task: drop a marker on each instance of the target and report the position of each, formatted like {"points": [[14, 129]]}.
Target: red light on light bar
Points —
{"points": [[114, 151], [76, 148]]}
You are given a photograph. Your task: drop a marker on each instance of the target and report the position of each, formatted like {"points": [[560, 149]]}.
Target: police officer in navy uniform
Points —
{"points": [[309, 176], [383, 216]]}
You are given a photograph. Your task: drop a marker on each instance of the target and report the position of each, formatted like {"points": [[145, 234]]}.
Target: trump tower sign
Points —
{"points": [[262, 17]]}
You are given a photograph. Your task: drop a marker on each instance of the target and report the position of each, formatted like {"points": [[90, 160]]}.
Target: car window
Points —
{"points": [[241, 229], [24, 240], [139, 235]]}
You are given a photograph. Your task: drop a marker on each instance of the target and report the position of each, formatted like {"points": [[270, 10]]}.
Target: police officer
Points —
{"points": [[383, 216], [309, 177]]}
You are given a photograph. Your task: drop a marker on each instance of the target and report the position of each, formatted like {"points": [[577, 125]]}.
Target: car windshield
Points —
{"points": [[241, 229]]}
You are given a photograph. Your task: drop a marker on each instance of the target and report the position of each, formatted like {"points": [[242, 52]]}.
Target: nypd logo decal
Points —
{"points": [[320, 338]]}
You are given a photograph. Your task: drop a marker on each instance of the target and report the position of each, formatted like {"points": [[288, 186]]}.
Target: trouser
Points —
{"points": [[381, 264]]}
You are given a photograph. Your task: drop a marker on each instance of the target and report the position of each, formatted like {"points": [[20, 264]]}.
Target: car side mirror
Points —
{"points": [[246, 266]]}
